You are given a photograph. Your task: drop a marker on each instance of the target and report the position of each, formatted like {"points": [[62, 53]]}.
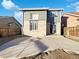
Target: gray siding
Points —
{"points": [[42, 14]]}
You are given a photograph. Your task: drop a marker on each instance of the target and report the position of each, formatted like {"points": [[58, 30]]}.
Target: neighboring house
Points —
{"points": [[41, 21], [9, 24], [70, 20]]}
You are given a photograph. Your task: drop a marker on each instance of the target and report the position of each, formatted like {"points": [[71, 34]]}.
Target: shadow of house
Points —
{"points": [[41, 46], [63, 24], [13, 42], [16, 47]]}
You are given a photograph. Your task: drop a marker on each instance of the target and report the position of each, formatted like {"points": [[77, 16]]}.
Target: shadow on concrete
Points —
{"points": [[41, 46], [13, 41]]}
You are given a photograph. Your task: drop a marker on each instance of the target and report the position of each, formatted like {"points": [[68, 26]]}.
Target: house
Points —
{"points": [[71, 20], [9, 26], [41, 21]]}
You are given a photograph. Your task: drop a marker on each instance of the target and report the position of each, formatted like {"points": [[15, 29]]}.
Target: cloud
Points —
{"points": [[8, 4], [18, 13], [18, 16], [69, 0], [69, 6], [74, 5], [77, 8]]}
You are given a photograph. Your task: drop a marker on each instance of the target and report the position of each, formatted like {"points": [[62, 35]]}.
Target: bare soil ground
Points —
{"points": [[56, 54]]}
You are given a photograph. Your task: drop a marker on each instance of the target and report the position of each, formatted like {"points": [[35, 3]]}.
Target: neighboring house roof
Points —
{"points": [[58, 9], [76, 14], [5, 20]]}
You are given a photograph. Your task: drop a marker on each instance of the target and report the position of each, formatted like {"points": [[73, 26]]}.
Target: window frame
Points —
{"points": [[31, 16], [33, 25]]}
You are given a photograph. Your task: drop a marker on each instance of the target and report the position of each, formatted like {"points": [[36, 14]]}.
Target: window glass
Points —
{"points": [[34, 16], [33, 24]]}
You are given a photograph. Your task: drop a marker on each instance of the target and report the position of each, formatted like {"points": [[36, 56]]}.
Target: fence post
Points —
{"points": [[65, 31]]}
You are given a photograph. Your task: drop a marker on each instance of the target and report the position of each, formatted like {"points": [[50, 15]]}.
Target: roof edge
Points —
{"points": [[28, 9], [72, 14]]}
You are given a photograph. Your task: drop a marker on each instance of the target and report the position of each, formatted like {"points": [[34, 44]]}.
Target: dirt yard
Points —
{"points": [[56, 54]]}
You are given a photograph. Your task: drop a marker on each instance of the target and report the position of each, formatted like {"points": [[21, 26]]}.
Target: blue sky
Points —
{"points": [[10, 7]]}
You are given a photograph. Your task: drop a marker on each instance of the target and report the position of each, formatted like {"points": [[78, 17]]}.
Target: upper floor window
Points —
{"points": [[34, 16]]}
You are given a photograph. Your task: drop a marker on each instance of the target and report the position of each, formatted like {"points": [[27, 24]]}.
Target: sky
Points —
{"points": [[10, 7]]}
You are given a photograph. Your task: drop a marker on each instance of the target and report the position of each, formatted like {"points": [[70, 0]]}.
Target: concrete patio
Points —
{"points": [[29, 46]]}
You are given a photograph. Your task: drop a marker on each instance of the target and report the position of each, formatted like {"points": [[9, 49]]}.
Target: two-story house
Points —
{"points": [[41, 21]]}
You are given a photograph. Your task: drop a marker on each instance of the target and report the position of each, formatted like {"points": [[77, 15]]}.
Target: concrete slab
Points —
{"points": [[24, 46]]}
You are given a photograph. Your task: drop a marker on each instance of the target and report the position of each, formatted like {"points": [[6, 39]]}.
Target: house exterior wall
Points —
{"points": [[72, 21], [41, 23], [48, 19], [54, 18], [50, 22], [58, 22]]}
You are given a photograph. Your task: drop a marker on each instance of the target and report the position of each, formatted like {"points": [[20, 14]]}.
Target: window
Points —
{"points": [[34, 21], [33, 24], [34, 16]]}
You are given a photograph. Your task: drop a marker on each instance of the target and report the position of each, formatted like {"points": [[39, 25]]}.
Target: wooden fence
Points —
{"points": [[71, 31], [9, 31]]}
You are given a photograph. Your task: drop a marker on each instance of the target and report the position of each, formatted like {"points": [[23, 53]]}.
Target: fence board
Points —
{"points": [[71, 31], [9, 31]]}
